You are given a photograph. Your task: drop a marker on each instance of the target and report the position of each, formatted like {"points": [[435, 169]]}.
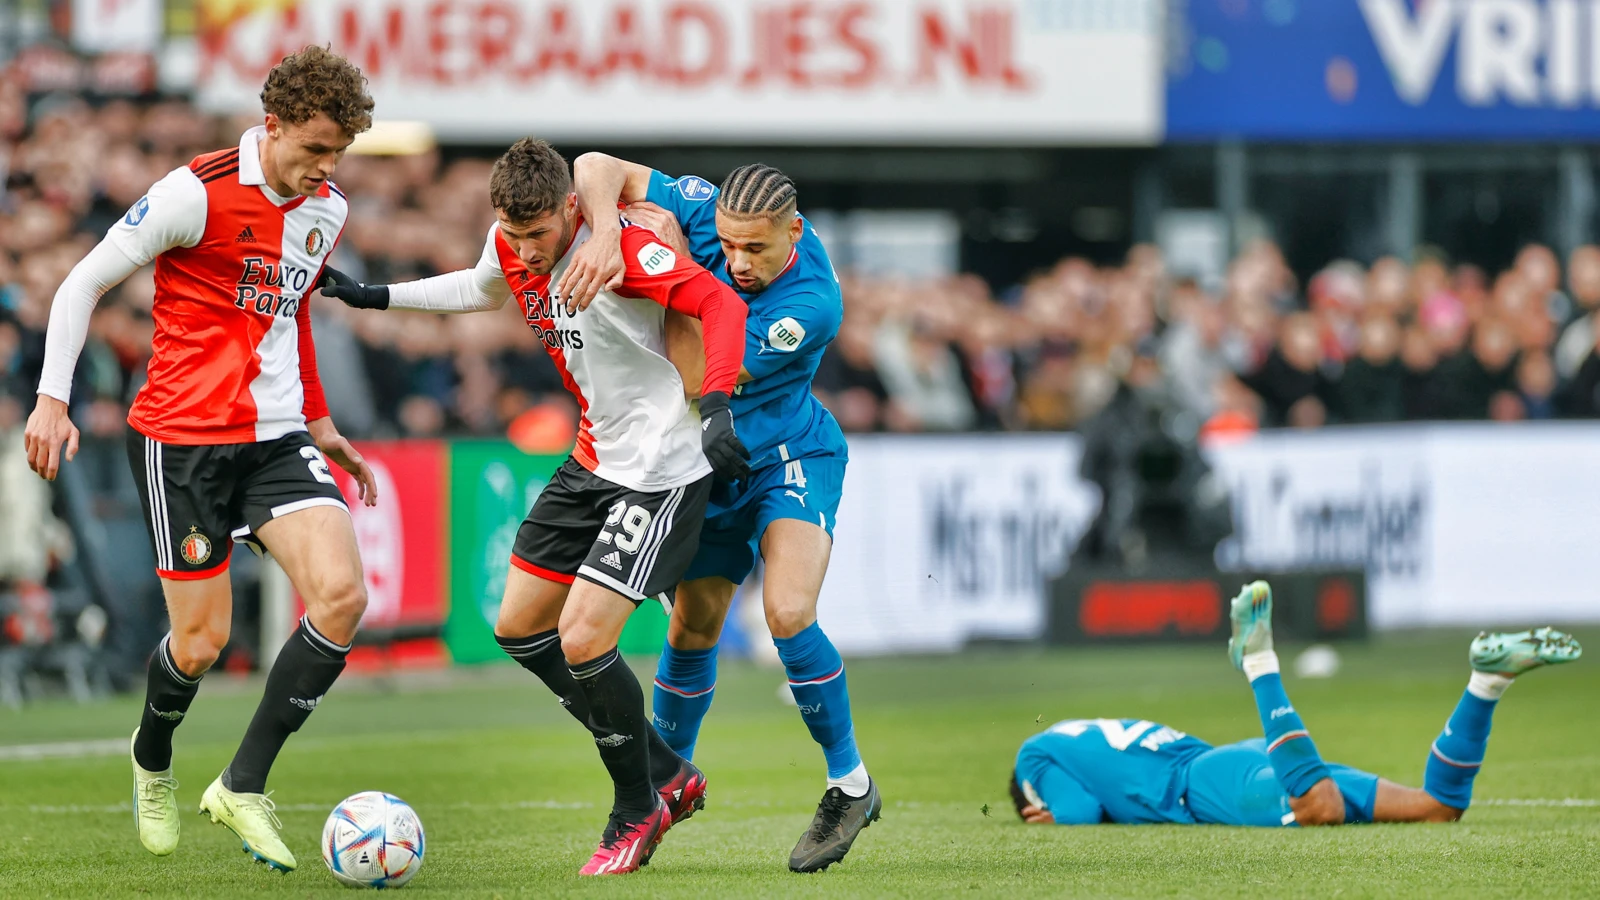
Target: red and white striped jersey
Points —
{"points": [[232, 360], [636, 430]]}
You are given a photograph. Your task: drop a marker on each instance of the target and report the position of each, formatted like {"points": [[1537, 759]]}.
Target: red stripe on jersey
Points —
{"points": [[532, 292]]}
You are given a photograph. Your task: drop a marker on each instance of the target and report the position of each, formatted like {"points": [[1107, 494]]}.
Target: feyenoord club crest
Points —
{"points": [[196, 547], [316, 242]]}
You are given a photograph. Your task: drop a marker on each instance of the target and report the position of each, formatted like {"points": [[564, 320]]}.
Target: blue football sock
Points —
{"points": [[1289, 746], [685, 683], [816, 676], [1458, 752]]}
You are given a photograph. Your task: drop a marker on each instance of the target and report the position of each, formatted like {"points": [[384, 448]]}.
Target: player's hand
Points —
{"points": [[1033, 815], [648, 215], [339, 449], [48, 428], [340, 286], [721, 443], [596, 266]]}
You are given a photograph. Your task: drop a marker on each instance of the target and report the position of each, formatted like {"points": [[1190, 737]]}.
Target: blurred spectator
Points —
{"points": [[1427, 339], [1372, 386]]}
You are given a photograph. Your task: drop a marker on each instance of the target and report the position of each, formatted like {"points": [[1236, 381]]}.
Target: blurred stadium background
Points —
{"points": [[1141, 297]]}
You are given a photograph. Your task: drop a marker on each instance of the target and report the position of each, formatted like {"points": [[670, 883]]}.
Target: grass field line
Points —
{"points": [[468, 806], [64, 750]]}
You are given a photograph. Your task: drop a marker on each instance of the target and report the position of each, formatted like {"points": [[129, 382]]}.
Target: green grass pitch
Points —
{"points": [[513, 796]]}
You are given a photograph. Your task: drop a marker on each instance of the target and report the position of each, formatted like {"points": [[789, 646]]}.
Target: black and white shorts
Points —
{"points": [[199, 499], [636, 543]]}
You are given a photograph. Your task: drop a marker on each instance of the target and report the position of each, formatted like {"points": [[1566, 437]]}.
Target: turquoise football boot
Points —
{"points": [[1251, 613]]}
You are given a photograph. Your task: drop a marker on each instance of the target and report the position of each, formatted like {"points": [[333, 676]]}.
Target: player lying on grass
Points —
{"points": [[750, 234], [230, 437], [620, 521], [1129, 772]]}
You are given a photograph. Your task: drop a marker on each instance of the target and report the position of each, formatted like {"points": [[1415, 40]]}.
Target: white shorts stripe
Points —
{"points": [[156, 485], [602, 578], [286, 508], [646, 563], [651, 535]]}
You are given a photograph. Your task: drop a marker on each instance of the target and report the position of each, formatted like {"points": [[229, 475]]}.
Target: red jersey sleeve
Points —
{"points": [[315, 405], [655, 272]]}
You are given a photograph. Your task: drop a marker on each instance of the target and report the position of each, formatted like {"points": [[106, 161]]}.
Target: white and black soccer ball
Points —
{"points": [[373, 839]]}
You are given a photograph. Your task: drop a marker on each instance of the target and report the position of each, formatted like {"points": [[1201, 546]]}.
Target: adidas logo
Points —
{"points": [[307, 705], [173, 715], [246, 236], [613, 740], [613, 559]]}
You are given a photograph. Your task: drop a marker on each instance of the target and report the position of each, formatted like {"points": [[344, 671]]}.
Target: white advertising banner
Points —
{"points": [[944, 539], [751, 71], [1455, 524]]}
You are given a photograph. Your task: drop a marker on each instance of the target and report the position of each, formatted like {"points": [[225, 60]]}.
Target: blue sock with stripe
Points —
{"points": [[1458, 752], [1289, 746], [685, 683], [816, 676]]}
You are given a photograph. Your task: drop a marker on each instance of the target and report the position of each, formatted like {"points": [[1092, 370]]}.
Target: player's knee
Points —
{"points": [[581, 643], [786, 621], [343, 600], [196, 652], [1322, 805]]}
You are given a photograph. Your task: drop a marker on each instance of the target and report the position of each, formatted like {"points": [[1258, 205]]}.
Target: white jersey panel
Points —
{"points": [[309, 232], [646, 437]]}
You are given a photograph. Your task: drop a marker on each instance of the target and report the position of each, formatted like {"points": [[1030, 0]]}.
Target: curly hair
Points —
{"points": [[317, 80], [529, 181]]}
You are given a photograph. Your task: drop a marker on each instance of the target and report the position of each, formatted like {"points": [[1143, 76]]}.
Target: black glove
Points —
{"points": [[723, 448], [361, 296]]}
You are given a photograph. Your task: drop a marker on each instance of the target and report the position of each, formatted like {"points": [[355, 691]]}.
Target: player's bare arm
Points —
{"points": [[601, 183], [338, 448]]}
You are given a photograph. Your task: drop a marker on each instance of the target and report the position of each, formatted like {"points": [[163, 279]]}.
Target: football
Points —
{"points": [[373, 839]]}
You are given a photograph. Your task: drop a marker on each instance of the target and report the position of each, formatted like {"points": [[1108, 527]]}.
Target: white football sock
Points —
{"points": [[854, 783], [1488, 685], [1262, 662]]}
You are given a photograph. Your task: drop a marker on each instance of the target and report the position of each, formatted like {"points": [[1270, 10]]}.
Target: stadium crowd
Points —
{"points": [[1394, 341]]}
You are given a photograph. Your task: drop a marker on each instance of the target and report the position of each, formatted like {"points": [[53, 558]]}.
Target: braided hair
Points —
{"points": [[758, 190]]}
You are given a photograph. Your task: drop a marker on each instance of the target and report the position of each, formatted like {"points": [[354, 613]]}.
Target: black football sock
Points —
{"points": [[306, 667], [167, 695], [616, 706], [541, 655]]}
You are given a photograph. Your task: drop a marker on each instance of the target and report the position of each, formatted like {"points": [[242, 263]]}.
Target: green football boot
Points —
{"points": [[155, 807], [1513, 654], [251, 818], [1251, 614]]}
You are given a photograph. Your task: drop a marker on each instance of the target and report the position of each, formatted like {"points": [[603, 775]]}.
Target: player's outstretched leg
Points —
{"points": [[1289, 746], [530, 607], [317, 548], [851, 803], [305, 669], [168, 693], [1458, 752]]}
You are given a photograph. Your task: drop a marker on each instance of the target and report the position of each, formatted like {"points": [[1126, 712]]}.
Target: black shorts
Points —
{"points": [[197, 497], [635, 543]]}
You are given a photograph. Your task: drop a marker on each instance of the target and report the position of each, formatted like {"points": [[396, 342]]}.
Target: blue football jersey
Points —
{"points": [[789, 326], [1135, 771]]}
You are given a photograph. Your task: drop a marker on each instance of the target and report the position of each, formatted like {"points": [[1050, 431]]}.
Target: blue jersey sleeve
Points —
{"points": [[692, 201], [795, 331]]}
